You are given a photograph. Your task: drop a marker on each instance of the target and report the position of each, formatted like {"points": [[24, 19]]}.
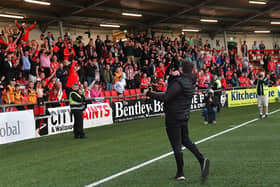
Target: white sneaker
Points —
{"points": [[205, 122], [180, 178]]}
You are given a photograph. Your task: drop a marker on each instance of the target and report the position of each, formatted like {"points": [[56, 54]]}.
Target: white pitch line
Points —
{"points": [[170, 153]]}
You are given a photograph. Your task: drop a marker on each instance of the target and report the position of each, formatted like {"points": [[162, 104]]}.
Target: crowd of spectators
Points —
{"points": [[35, 71]]}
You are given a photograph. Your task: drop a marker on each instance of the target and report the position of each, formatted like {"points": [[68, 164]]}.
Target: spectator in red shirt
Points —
{"points": [[161, 85], [145, 82], [69, 52], [22, 27], [54, 64], [110, 59], [73, 77], [271, 66], [243, 80], [223, 81], [160, 70]]}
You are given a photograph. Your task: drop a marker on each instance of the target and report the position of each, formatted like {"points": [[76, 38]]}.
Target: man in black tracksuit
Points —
{"points": [[77, 105], [177, 102]]}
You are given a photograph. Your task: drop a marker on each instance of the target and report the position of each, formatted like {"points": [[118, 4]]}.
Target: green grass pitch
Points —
{"points": [[245, 157]]}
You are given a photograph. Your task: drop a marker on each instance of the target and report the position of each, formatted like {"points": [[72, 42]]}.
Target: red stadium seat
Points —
{"points": [[107, 94], [138, 91], [132, 92], [114, 94], [126, 93]]}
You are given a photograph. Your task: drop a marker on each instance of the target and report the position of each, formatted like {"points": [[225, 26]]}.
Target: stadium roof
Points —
{"points": [[232, 15]]}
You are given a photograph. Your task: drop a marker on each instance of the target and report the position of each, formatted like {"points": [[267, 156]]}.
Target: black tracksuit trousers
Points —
{"points": [[178, 135], [78, 123]]}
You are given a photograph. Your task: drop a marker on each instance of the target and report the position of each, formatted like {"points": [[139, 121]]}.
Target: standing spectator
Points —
{"points": [[245, 62], [45, 61], [73, 77], [255, 47], [50, 38], [266, 59], [161, 85], [276, 48], [69, 52], [130, 76], [145, 82], [108, 78], [99, 46], [22, 27], [207, 46], [90, 48], [129, 48], [262, 47], [244, 49], [7, 67], [271, 67], [108, 43], [235, 80], [26, 64], [118, 75], [91, 68], [110, 59]]}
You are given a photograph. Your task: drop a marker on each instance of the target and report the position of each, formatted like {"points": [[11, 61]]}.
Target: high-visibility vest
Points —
{"points": [[71, 100], [219, 84]]}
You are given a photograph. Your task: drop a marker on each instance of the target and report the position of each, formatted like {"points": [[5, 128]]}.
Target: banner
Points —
{"points": [[278, 93], [145, 108], [16, 126], [97, 114], [244, 97], [42, 126], [60, 120], [136, 109]]}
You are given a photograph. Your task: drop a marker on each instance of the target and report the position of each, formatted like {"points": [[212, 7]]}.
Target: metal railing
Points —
{"points": [[52, 104]]}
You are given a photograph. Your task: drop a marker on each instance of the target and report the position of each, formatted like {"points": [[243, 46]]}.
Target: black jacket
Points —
{"points": [[177, 99], [212, 103]]}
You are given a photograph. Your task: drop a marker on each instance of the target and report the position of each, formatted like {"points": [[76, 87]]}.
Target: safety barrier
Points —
{"points": [[40, 110]]}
